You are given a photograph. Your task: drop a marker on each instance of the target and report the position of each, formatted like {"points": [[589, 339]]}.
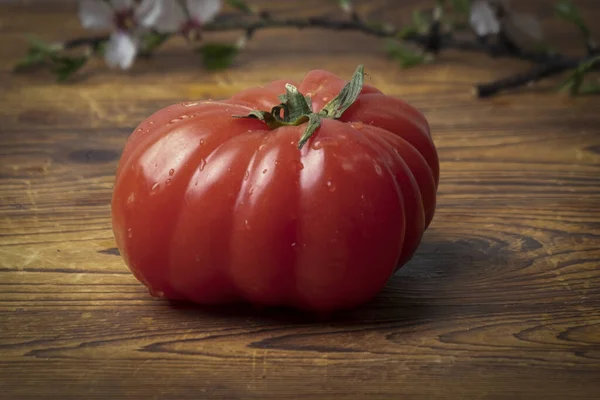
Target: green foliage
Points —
{"points": [[575, 83], [241, 5], [566, 10], [151, 42], [588, 88], [420, 21], [40, 53], [405, 56], [345, 5], [461, 6], [65, 66], [217, 56]]}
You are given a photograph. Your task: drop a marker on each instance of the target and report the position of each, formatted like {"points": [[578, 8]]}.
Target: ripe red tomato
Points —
{"points": [[213, 208]]}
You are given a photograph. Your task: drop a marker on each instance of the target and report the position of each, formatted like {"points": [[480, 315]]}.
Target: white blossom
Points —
{"points": [[188, 16], [126, 19], [483, 18], [121, 50]]}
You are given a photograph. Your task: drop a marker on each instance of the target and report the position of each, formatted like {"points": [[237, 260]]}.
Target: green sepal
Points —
{"points": [[264, 116], [314, 121], [297, 108], [348, 95]]}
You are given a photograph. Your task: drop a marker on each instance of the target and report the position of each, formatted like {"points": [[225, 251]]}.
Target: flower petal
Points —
{"points": [[172, 17], [483, 18], [203, 10], [95, 14], [121, 50], [120, 5], [149, 11]]}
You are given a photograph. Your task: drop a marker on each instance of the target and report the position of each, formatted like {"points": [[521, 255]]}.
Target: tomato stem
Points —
{"points": [[297, 108]]}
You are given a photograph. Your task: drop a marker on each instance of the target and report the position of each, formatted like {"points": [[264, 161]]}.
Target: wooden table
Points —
{"points": [[501, 301]]}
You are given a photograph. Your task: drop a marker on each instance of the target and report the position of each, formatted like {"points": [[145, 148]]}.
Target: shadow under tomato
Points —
{"points": [[440, 279]]}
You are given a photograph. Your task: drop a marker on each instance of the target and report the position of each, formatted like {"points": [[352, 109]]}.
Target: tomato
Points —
{"points": [[213, 207]]}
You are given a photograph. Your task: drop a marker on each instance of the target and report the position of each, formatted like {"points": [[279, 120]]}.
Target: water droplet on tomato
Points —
{"points": [[180, 118], [129, 233], [276, 162], [251, 191], [331, 186], [201, 142], [378, 169], [202, 164], [171, 172], [151, 123], [155, 187], [168, 182], [293, 244], [300, 166], [247, 224], [264, 171], [246, 175], [156, 293], [317, 145], [131, 198]]}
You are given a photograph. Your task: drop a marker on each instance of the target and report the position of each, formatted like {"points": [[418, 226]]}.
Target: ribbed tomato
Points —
{"points": [[213, 208]]}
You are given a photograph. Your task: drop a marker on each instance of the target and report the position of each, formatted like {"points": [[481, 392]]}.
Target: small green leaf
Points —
{"points": [[589, 88], [345, 5], [566, 10], [151, 42], [100, 48], [241, 5], [217, 56], [38, 53], [420, 21], [461, 6], [575, 81], [39, 44], [31, 59], [406, 32], [65, 66], [405, 56]]}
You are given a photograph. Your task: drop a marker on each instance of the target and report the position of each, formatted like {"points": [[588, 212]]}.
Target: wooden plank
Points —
{"points": [[502, 299]]}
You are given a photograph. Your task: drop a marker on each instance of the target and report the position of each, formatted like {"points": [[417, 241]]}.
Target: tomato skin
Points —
{"points": [[215, 209]]}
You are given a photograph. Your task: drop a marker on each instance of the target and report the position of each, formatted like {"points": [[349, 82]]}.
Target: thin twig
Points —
{"points": [[533, 75], [447, 41], [548, 64]]}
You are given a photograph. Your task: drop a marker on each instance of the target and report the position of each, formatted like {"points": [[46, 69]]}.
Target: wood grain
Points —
{"points": [[501, 301]]}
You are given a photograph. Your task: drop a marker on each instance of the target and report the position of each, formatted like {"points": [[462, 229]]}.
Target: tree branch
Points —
{"points": [[533, 75], [548, 64]]}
